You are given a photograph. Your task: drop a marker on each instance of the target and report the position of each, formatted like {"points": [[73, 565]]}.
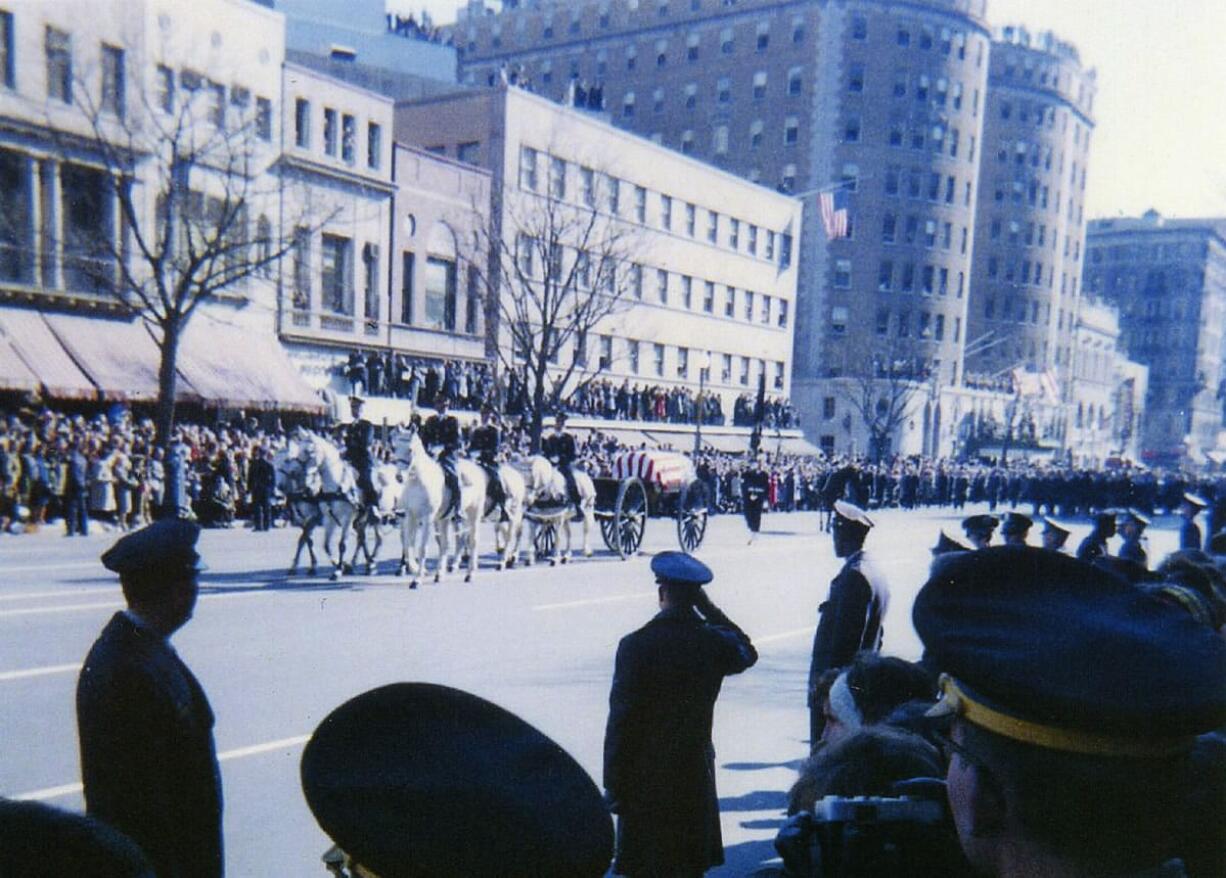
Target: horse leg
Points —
{"points": [[589, 524], [440, 534], [474, 522]]}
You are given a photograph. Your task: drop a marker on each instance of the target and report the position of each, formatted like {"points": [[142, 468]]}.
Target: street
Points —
{"points": [[276, 655]]}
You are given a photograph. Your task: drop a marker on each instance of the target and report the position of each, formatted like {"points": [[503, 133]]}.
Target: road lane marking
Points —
{"points": [[39, 672], [72, 565], [785, 635], [72, 608], [587, 602], [69, 789], [65, 593]]}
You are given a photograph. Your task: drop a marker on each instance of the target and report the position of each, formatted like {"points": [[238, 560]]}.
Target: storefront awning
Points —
{"points": [[35, 347], [120, 357], [14, 373], [792, 445], [736, 443], [232, 367]]}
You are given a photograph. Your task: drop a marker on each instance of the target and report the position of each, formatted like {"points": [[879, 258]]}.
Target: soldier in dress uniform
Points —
{"points": [[1054, 535], [1014, 527], [442, 431], [1075, 700], [850, 619], [1131, 524], [484, 442], [1190, 506], [561, 450], [979, 529], [359, 437], [755, 485], [1095, 545]]}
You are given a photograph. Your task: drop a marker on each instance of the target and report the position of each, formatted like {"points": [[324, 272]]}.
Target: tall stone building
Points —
{"points": [[883, 99], [1030, 227], [1168, 279]]}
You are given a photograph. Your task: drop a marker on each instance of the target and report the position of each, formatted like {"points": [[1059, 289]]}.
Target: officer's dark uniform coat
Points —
{"points": [[659, 764], [850, 619], [147, 756], [1189, 535]]}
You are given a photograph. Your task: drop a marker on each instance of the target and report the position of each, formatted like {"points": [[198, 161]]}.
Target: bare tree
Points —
{"points": [[553, 273], [883, 389], [188, 172]]}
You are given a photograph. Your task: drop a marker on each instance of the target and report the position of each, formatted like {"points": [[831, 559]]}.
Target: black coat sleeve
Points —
{"points": [[623, 733], [841, 626]]}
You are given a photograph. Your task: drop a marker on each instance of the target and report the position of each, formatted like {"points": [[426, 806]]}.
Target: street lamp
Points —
{"points": [[704, 366]]}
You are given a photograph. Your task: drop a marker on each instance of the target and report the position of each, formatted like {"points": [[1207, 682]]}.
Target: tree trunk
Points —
{"points": [[167, 379], [538, 411]]}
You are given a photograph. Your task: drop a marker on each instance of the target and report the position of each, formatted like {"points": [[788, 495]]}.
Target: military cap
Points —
{"points": [[1195, 500], [946, 544], [167, 544], [680, 567], [38, 839], [354, 399], [417, 779], [980, 524], [852, 513], [1131, 515], [560, 416], [1015, 523], [1107, 516], [1050, 525], [1044, 649]]}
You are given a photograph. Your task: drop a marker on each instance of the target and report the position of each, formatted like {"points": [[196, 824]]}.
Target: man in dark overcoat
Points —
{"points": [[148, 761], [851, 616], [659, 763], [755, 484], [262, 482], [359, 437]]}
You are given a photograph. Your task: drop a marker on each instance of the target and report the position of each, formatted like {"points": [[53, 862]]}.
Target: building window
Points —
{"points": [[166, 88], [687, 291], [885, 276], [349, 136], [527, 168], [791, 131], [301, 251], [113, 91], [336, 275], [691, 214], [730, 302], [636, 280], [657, 356], [712, 227], [217, 105], [657, 100], [330, 133], [557, 177], [766, 310], [842, 274], [859, 27], [838, 319], [708, 297], [726, 45], [302, 123], [666, 212], [370, 286], [764, 36], [691, 47], [749, 306], [759, 85], [723, 90], [469, 152], [374, 145], [662, 286], [795, 81], [691, 95], [408, 263], [628, 105], [8, 70], [440, 293], [58, 48], [263, 119], [640, 204], [851, 131], [606, 352], [855, 78], [683, 362], [783, 313], [744, 370]]}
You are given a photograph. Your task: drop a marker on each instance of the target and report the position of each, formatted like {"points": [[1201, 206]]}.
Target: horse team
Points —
{"points": [[321, 490]]}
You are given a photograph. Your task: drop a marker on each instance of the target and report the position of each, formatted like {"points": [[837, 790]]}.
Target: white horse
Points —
{"points": [[333, 483], [302, 507], [369, 523], [423, 499], [546, 484]]}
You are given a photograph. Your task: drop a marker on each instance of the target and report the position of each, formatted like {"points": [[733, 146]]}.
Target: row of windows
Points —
{"points": [[1044, 115], [667, 288], [1035, 194], [1146, 252], [927, 325], [936, 91], [723, 92], [933, 233], [340, 134], [187, 84], [916, 134], [1035, 235], [928, 279], [604, 192]]}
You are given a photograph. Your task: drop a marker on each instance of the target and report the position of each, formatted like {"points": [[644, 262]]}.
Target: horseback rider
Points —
{"points": [[358, 438], [484, 443], [559, 447], [443, 430]]}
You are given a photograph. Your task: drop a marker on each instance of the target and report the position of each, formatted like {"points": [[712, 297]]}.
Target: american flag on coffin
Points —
{"points": [[836, 212], [667, 470]]}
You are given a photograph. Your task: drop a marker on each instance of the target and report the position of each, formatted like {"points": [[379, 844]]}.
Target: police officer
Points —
{"points": [[484, 443], [852, 614], [1075, 701], [979, 529], [1095, 544], [1014, 527], [1054, 535], [561, 450], [359, 437], [755, 485], [1190, 506], [659, 765], [1131, 524], [442, 430]]}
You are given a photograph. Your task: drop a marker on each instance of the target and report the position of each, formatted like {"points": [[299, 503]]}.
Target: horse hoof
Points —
{"points": [[335, 576], [565, 558], [587, 553], [437, 579], [511, 564], [553, 562], [468, 577], [413, 584]]}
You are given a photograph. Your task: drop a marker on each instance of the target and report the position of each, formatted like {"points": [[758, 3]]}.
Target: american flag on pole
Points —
{"points": [[835, 204]]}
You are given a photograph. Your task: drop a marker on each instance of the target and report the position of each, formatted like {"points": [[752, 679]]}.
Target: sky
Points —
{"points": [[1161, 111]]}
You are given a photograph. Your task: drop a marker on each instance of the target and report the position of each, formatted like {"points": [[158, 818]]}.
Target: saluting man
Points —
{"points": [[359, 437], [659, 764], [442, 430], [851, 616]]}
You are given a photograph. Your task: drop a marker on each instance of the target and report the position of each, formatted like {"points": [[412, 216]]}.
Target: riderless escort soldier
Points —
{"points": [[359, 436], [443, 430], [484, 442], [560, 448]]}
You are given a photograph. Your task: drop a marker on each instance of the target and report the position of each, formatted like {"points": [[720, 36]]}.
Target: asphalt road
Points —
{"points": [[276, 654]]}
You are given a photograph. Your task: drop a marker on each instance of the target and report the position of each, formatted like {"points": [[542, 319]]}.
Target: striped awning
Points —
{"points": [[30, 348], [119, 356]]}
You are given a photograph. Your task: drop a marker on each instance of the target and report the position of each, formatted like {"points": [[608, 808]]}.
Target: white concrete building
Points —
{"points": [[1108, 402], [711, 266]]}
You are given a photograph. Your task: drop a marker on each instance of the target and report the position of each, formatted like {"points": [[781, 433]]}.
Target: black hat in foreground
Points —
{"points": [[680, 567], [853, 513], [417, 779], [166, 545], [985, 524], [1044, 649], [1016, 523], [947, 544], [37, 840]]}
